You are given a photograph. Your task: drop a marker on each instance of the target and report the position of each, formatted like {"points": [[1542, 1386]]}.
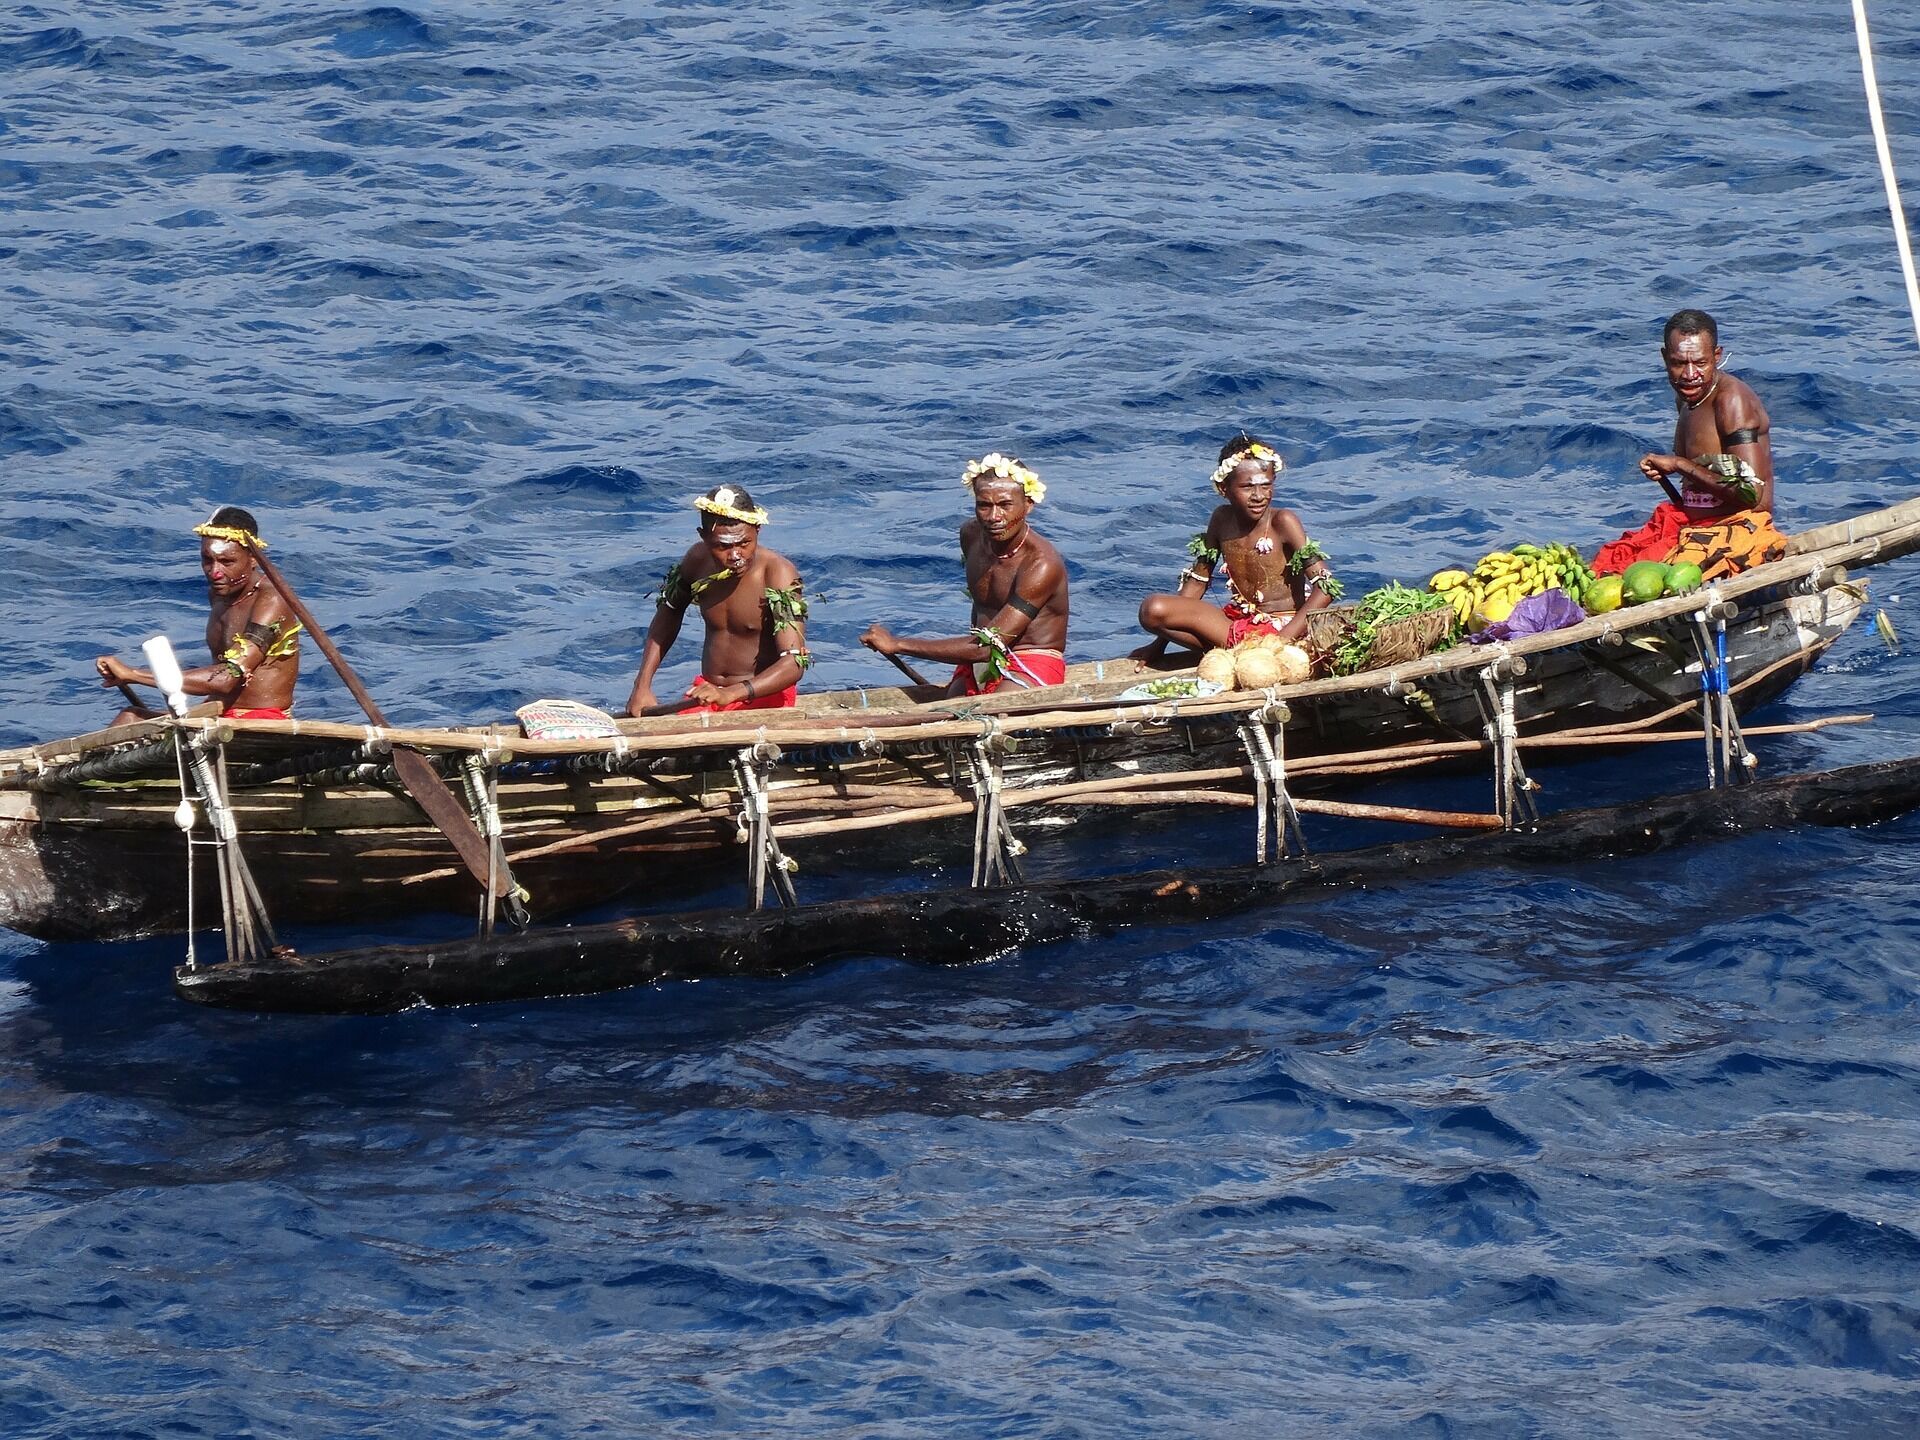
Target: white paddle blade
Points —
{"points": [[166, 673]]}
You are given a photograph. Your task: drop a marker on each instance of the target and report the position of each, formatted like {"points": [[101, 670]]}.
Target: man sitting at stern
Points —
{"points": [[754, 605], [1019, 587], [253, 636], [1721, 516]]}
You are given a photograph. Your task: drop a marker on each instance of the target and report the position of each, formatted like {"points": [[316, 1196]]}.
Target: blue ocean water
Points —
{"points": [[469, 301]]}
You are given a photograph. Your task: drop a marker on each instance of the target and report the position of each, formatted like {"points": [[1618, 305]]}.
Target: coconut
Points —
{"points": [[1295, 664], [1255, 668], [1216, 668]]}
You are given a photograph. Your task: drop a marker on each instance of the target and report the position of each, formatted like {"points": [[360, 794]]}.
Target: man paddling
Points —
{"points": [[1720, 475], [1019, 586], [754, 605], [253, 635]]}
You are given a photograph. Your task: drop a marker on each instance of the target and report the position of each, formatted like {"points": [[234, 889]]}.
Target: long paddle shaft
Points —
{"points": [[908, 671], [429, 791]]}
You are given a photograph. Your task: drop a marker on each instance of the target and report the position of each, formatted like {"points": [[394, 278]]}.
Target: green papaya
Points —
{"points": [[1642, 582]]}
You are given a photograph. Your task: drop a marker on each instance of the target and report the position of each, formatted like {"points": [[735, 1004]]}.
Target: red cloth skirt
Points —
{"points": [[1025, 670], [1242, 622], [780, 700], [1652, 541]]}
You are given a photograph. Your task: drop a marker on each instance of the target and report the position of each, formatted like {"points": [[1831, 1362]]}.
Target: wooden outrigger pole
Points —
{"points": [[956, 926]]}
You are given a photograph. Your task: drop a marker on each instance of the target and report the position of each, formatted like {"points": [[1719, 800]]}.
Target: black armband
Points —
{"points": [[261, 635], [1748, 436], [1024, 606]]}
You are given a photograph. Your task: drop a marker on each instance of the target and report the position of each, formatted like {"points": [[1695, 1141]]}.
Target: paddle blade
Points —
{"points": [[430, 792], [166, 672]]}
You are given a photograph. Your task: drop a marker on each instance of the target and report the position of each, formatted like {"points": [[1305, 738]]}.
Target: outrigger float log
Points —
{"points": [[958, 926], [91, 846]]}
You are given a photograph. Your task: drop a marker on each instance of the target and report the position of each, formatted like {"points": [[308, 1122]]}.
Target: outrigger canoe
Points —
{"points": [[91, 846]]}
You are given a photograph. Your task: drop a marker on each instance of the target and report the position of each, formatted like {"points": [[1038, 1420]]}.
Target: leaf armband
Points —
{"points": [[1306, 558], [990, 640], [674, 593], [1306, 555], [1204, 555], [1736, 473], [787, 608]]}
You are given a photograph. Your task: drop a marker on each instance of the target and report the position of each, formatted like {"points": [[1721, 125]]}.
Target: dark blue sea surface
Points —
{"points": [[469, 301]]}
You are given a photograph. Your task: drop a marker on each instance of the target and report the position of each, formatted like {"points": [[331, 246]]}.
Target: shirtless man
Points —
{"points": [[1276, 576], [254, 639], [754, 606], [1734, 423], [1019, 586], [1722, 456]]}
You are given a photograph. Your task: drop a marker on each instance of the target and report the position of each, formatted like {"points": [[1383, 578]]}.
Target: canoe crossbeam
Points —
{"points": [[1513, 788], [482, 783], [243, 913], [752, 768], [1729, 761], [1263, 737], [996, 849]]}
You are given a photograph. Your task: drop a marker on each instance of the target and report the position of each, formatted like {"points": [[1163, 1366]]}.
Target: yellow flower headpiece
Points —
{"points": [[725, 503], [999, 465], [234, 533], [1256, 451]]}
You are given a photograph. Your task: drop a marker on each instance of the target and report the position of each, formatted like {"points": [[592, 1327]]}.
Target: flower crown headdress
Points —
{"points": [[1005, 468], [239, 535], [725, 503], [1256, 451]]}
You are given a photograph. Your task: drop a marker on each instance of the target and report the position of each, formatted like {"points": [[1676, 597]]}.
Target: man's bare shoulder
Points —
{"points": [[1045, 553], [697, 561], [270, 607], [1737, 407], [780, 572]]}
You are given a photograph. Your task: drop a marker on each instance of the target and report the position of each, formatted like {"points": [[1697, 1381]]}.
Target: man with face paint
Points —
{"points": [[1719, 477], [253, 636], [754, 605], [1019, 587]]}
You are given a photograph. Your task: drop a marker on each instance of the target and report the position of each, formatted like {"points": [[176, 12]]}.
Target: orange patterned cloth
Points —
{"points": [[1720, 547], [1728, 546]]}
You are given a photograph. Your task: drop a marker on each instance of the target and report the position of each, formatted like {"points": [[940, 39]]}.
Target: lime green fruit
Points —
{"points": [[1683, 577], [1603, 595], [1643, 582]]}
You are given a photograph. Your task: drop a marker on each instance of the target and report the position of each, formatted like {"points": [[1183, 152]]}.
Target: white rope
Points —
{"points": [[1886, 161]]}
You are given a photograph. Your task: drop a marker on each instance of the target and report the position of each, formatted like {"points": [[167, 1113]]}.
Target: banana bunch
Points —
{"points": [[1504, 578]]}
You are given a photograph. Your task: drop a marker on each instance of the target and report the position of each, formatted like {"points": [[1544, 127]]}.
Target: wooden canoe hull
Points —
{"points": [[108, 862]]}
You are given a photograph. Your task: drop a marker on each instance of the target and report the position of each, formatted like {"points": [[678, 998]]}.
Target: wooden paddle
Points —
{"points": [[907, 670], [416, 773]]}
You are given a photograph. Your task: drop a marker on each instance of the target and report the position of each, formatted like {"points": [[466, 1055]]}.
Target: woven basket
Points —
{"points": [[1401, 640], [1327, 628], [1394, 642]]}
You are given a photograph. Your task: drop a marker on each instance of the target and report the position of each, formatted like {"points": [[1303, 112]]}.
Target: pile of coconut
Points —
{"points": [[1261, 660]]}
